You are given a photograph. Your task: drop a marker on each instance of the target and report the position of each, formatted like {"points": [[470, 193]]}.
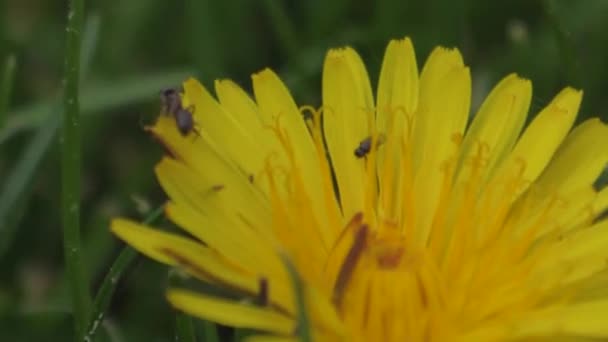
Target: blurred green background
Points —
{"points": [[132, 49]]}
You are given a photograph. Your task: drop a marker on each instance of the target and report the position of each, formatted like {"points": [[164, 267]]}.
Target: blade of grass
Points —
{"points": [[87, 51], [303, 322], [210, 332], [6, 87], [184, 329], [96, 97], [16, 186], [108, 285], [240, 335], [15, 193], [70, 172]]}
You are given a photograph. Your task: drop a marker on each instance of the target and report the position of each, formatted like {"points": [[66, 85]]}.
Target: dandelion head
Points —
{"points": [[405, 220]]}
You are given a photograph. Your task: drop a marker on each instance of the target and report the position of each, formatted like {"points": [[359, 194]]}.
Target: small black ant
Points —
{"points": [[172, 105]]}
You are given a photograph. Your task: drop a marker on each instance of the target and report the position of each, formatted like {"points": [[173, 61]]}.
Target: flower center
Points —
{"points": [[408, 265], [389, 250], [393, 292]]}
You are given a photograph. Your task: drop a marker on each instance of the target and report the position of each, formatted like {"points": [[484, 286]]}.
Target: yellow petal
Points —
{"points": [[396, 104], [174, 250], [575, 209], [497, 124], [278, 108], [200, 154], [601, 202], [559, 338], [439, 63], [241, 246], [584, 242], [542, 137], [578, 255], [579, 160], [398, 83], [245, 111], [242, 108], [593, 287], [445, 95], [347, 111], [228, 135], [566, 212], [270, 338], [323, 313], [230, 313], [217, 187], [583, 319], [231, 238]]}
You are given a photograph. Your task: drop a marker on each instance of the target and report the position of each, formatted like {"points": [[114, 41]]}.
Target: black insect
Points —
{"points": [[170, 100], [184, 121], [366, 145], [172, 105]]}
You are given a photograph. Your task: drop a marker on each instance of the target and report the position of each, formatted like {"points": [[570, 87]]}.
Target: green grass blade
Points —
{"points": [[70, 141], [6, 87], [303, 322], [210, 332], [89, 44], [14, 194], [110, 281], [184, 329]]}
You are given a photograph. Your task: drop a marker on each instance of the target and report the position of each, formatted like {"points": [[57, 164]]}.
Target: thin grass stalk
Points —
{"points": [[103, 298], [6, 87], [70, 172], [302, 318]]}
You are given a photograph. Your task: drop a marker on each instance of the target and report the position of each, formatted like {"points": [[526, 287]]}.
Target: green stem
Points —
{"points": [[6, 87], [303, 322], [108, 286], [184, 330], [210, 332], [46, 119], [70, 172], [18, 182]]}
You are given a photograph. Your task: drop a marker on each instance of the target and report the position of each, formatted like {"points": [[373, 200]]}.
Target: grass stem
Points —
{"points": [[6, 87], [110, 281], [70, 172]]}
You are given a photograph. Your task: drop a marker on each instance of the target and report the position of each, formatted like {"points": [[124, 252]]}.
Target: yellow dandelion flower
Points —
{"points": [[403, 223]]}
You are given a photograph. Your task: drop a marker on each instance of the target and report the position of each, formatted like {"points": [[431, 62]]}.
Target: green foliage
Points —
{"points": [[143, 46]]}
